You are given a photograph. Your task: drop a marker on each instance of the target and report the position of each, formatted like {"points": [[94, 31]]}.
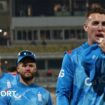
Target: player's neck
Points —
{"points": [[27, 82]]}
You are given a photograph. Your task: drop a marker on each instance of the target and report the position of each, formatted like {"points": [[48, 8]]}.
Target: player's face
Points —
{"points": [[95, 27], [27, 69]]}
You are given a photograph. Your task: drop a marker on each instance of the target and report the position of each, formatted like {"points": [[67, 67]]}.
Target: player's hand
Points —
{"points": [[102, 43]]}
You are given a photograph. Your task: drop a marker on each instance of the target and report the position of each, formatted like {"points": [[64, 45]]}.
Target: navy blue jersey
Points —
{"points": [[75, 84]]}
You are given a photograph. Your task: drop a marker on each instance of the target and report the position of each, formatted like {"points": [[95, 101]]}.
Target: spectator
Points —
{"points": [[49, 73]]}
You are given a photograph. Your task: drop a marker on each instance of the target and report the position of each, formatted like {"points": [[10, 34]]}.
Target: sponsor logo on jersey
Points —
{"points": [[17, 97], [88, 82], [94, 57], [7, 93], [9, 84], [39, 96], [61, 74]]}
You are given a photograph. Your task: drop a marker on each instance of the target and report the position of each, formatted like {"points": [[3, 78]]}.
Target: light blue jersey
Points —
{"points": [[27, 95], [7, 81], [77, 85]]}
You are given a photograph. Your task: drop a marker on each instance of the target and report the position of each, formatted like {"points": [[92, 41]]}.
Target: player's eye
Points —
{"points": [[95, 23], [31, 65], [24, 65], [103, 23]]}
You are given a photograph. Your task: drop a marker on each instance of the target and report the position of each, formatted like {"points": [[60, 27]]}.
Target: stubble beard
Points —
{"points": [[27, 78]]}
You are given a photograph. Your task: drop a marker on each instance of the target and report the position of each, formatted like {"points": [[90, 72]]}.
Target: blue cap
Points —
{"points": [[26, 54]]}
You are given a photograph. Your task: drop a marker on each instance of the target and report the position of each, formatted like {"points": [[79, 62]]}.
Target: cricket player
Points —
{"points": [[26, 92], [78, 81]]}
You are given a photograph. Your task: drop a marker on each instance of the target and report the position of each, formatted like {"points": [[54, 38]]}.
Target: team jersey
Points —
{"points": [[26, 95], [7, 81], [75, 84]]}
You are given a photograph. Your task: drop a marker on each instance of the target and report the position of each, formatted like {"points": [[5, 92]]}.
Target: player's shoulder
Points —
{"points": [[8, 75], [75, 53], [72, 52], [12, 73], [42, 89], [77, 50]]}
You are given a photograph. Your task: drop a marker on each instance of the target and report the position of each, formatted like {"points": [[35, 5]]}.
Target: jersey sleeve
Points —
{"points": [[65, 81]]}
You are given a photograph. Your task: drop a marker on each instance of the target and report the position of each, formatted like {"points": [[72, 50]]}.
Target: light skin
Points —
{"points": [[27, 70], [95, 28]]}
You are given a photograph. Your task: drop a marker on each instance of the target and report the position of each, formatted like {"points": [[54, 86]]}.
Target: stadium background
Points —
{"points": [[46, 27]]}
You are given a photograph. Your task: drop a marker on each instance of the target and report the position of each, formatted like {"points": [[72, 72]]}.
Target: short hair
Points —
{"points": [[96, 9]]}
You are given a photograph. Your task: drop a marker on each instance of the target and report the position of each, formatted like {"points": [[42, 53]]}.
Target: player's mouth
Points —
{"points": [[100, 36], [27, 72]]}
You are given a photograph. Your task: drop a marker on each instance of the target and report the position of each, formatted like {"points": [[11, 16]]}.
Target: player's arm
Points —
{"points": [[65, 81]]}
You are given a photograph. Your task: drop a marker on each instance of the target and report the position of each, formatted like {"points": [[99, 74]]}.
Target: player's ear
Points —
{"points": [[85, 27], [17, 68]]}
